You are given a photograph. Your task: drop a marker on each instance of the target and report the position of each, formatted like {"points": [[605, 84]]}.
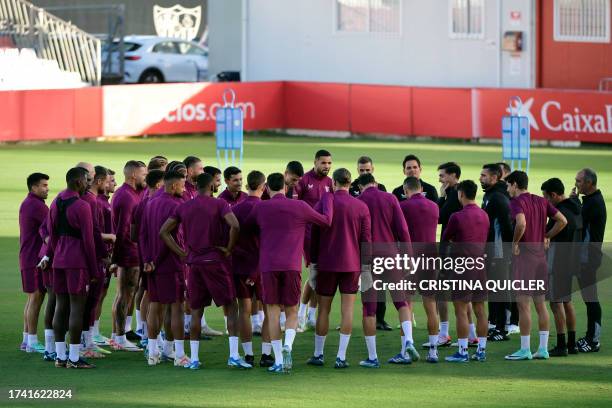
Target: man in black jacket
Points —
{"points": [[496, 203], [364, 165], [594, 224], [412, 168], [563, 263]]}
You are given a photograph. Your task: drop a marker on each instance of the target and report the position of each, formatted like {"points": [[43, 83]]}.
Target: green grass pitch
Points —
{"points": [[124, 380]]}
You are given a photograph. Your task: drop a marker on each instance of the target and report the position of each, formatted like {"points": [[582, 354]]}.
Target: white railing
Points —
{"points": [[74, 50]]}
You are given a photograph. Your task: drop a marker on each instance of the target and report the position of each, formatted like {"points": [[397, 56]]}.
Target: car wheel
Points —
{"points": [[151, 76]]}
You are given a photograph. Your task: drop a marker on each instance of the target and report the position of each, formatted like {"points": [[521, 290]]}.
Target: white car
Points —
{"points": [[150, 59]]}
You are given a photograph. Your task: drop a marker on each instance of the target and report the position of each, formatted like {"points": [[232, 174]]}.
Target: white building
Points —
{"points": [[449, 43]]}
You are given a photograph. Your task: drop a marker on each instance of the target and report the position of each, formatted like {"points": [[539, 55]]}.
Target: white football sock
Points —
{"points": [[233, 347], [187, 323], [128, 323], [283, 318], [203, 320], [407, 328], [255, 321], [138, 320], [167, 347], [194, 345], [277, 346], [84, 335], [152, 347], [114, 336], [89, 339], [49, 341], [32, 340], [96, 328], [319, 345], [472, 331], [526, 342], [120, 339], [302, 310], [60, 349], [247, 348], [371, 345], [261, 316], [344, 342], [403, 349], [463, 346], [544, 339], [482, 343], [443, 329], [179, 348], [266, 348], [74, 352], [25, 338], [433, 341], [312, 314], [289, 337]]}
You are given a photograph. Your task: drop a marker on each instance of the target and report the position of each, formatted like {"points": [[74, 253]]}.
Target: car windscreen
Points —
{"points": [[128, 46]]}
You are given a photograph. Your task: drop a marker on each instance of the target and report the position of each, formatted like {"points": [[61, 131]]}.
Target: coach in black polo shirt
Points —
{"points": [[412, 168], [594, 216]]}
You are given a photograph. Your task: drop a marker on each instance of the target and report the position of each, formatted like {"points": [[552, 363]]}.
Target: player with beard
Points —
{"points": [[245, 259], [207, 250], [389, 229], [75, 265], [282, 223], [125, 251], [194, 169], [530, 214], [311, 188], [89, 349], [421, 216], [338, 253], [496, 203], [155, 181], [563, 262], [105, 187], [166, 277], [216, 175], [32, 215]]}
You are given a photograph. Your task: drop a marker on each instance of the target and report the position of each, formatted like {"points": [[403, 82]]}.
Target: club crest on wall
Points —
{"points": [[177, 21]]}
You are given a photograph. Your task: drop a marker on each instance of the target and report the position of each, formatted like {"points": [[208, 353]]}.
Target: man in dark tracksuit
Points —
{"points": [[594, 216], [496, 203], [563, 263]]}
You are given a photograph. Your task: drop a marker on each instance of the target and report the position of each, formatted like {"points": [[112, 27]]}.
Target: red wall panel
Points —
{"points": [[47, 114], [10, 116], [442, 112], [317, 106], [381, 109]]}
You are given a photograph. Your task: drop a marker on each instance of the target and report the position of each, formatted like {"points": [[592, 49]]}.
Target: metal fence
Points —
{"points": [[27, 26]]}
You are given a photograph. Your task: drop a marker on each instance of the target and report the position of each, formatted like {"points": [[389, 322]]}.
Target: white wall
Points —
{"points": [[296, 40]]}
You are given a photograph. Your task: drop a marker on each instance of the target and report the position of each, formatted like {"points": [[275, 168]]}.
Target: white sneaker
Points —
{"points": [[127, 346], [182, 362], [207, 331], [301, 324], [513, 329], [154, 359]]}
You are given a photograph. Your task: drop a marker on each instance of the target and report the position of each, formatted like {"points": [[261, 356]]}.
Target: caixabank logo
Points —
{"points": [[556, 116]]}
